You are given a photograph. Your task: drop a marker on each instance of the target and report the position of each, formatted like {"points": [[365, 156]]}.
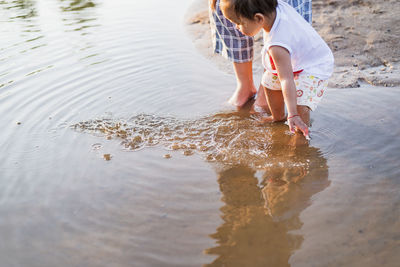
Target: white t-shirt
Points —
{"points": [[308, 51]]}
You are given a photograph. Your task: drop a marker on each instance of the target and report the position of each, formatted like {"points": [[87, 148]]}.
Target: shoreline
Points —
{"points": [[362, 35]]}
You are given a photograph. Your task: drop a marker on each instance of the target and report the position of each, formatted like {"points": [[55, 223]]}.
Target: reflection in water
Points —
{"points": [[249, 236], [78, 15], [76, 5], [21, 33], [22, 12], [39, 23], [259, 216], [25, 9]]}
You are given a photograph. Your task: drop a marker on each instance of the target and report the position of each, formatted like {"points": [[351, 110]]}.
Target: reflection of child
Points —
{"points": [[297, 61]]}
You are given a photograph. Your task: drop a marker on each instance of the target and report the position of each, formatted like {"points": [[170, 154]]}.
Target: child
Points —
{"points": [[297, 61], [229, 42]]}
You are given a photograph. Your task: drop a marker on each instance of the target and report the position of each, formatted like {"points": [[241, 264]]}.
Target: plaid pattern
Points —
{"points": [[303, 7], [232, 44]]}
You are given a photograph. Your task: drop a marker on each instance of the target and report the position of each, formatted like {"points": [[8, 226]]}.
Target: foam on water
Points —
{"points": [[228, 138]]}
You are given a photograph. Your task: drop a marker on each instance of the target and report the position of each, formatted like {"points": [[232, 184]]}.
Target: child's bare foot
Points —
{"points": [[267, 119], [241, 96], [270, 119]]}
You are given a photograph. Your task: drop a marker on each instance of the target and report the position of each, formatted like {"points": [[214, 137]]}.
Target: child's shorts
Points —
{"points": [[309, 88]]}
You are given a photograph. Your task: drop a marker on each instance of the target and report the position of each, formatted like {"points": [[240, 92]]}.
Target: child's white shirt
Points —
{"points": [[308, 51]]}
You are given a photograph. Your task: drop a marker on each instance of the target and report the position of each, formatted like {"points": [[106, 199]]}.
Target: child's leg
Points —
{"points": [[261, 100], [276, 105]]}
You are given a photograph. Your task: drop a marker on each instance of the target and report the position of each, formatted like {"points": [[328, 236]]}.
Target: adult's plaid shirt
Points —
{"points": [[232, 44]]}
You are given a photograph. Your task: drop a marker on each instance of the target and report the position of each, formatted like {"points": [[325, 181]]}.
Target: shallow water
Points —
{"points": [[189, 182]]}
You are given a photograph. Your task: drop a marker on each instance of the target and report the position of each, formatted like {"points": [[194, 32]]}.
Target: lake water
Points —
{"points": [[118, 149]]}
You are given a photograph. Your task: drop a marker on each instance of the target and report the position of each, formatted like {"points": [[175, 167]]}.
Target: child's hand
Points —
{"points": [[296, 123]]}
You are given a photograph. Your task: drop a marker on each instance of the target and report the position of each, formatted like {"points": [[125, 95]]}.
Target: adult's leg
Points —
{"points": [[245, 88], [238, 48], [303, 7]]}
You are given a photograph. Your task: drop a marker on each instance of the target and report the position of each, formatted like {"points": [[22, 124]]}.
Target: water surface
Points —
{"points": [[81, 79]]}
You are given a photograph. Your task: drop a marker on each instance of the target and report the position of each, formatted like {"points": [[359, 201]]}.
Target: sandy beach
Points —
{"points": [[363, 35]]}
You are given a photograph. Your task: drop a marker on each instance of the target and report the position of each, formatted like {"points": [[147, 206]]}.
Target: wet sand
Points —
{"points": [[363, 35]]}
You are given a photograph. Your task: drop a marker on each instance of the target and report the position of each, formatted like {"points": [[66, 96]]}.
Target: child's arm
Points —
{"points": [[283, 64]]}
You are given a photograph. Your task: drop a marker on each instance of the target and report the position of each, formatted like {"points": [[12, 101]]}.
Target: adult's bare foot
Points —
{"points": [[245, 89], [241, 96]]}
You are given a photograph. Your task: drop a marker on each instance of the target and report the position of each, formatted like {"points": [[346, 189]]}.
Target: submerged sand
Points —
{"points": [[364, 36]]}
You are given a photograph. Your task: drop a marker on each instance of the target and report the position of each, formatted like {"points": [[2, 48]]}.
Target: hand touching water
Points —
{"points": [[296, 123]]}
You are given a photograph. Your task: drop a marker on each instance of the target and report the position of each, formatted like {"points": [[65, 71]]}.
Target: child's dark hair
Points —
{"points": [[248, 8]]}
